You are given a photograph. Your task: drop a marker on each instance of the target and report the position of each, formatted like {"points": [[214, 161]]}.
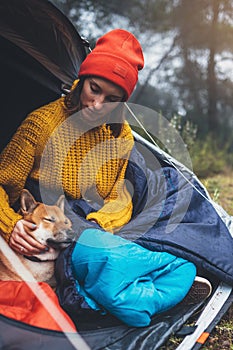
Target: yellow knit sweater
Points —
{"points": [[48, 147]]}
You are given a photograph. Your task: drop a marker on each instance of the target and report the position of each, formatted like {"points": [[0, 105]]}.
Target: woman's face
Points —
{"points": [[98, 98]]}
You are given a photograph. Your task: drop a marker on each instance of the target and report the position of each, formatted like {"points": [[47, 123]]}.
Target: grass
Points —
{"points": [[220, 188]]}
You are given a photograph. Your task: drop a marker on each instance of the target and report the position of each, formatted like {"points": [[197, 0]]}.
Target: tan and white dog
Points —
{"points": [[53, 229]]}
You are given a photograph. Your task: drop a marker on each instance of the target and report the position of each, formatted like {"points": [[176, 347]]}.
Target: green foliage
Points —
{"points": [[208, 157], [187, 130]]}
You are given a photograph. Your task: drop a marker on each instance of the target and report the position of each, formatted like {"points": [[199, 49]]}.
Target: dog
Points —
{"points": [[53, 229]]}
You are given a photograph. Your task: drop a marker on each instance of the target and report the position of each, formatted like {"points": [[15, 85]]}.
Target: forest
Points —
{"points": [[188, 78]]}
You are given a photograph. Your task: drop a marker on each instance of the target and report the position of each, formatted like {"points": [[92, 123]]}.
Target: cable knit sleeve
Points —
{"points": [[117, 208], [21, 159], [16, 162]]}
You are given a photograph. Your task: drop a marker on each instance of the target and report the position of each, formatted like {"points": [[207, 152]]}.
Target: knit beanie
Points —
{"points": [[117, 57]]}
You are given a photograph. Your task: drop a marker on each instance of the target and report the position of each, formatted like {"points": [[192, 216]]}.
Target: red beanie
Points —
{"points": [[117, 57]]}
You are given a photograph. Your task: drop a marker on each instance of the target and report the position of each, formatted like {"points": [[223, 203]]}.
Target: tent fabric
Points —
{"points": [[40, 52], [174, 215], [19, 302], [21, 336], [51, 40]]}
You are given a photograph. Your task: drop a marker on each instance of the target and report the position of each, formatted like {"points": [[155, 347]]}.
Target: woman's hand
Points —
{"points": [[23, 242]]}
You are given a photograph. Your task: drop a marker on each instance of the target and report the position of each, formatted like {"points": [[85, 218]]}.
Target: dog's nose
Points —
{"points": [[59, 244]]}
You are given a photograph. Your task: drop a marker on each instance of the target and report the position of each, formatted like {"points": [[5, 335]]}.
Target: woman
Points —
{"points": [[107, 76], [91, 169]]}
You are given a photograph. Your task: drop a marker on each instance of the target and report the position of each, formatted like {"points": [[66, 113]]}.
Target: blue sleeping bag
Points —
{"points": [[132, 283]]}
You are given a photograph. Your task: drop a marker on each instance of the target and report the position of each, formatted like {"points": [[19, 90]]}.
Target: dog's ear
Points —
{"points": [[27, 202], [61, 202]]}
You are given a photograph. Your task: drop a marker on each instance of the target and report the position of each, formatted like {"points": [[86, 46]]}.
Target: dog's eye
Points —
{"points": [[66, 222], [52, 219]]}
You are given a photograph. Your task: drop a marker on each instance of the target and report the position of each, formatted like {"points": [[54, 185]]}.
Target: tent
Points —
{"points": [[40, 56], [40, 53]]}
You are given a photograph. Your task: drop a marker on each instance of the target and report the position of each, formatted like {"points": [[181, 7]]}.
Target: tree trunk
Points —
{"points": [[211, 78]]}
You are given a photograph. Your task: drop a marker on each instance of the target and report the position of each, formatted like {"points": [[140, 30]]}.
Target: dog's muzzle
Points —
{"points": [[59, 244]]}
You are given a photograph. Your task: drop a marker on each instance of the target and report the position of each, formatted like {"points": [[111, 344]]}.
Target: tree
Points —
{"points": [[190, 67], [200, 32]]}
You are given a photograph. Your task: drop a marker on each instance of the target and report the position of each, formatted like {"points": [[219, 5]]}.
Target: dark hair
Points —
{"points": [[72, 103]]}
